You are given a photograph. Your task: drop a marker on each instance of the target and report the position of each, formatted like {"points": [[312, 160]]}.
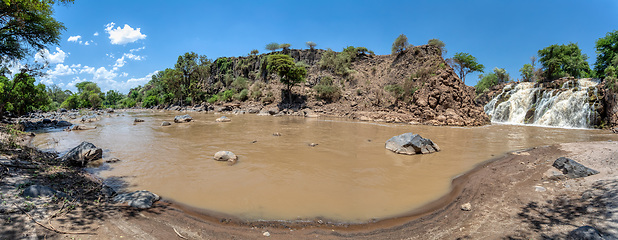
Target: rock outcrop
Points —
{"points": [[226, 156], [82, 154], [410, 143]]}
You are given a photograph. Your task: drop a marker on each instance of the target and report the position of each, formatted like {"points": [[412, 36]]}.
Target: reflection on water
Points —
{"points": [[349, 176]]}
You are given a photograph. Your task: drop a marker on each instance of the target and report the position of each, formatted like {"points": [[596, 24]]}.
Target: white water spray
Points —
{"points": [[524, 103]]}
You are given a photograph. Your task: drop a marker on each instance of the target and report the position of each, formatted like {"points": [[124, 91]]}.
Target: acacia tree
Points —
{"points": [[289, 73], [400, 44], [607, 53], [311, 45], [563, 60], [464, 63], [273, 46]]}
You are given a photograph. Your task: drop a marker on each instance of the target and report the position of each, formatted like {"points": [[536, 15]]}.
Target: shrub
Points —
{"points": [[396, 90], [270, 97], [242, 95], [150, 101], [213, 99], [254, 52], [326, 90], [400, 44], [340, 63], [311, 45], [285, 46], [273, 46], [439, 44], [239, 84], [227, 95], [255, 95]]}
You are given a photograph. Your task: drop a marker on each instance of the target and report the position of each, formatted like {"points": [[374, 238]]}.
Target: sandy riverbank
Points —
{"points": [[509, 197]]}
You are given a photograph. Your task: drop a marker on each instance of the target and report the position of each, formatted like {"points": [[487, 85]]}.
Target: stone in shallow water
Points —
{"points": [[409, 143], [183, 118], [82, 154], [138, 199], [223, 119], [226, 156]]}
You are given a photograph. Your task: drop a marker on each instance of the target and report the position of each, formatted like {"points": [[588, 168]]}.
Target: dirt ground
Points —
{"points": [[512, 197]]}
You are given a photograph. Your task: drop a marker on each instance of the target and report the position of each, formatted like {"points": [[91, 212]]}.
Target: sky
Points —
{"points": [[121, 44]]}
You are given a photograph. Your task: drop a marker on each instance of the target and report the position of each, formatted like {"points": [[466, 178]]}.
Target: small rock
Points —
{"points": [[573, 169], [82, 127], [312, 144], [35, 191], [365, 118], [112, 160], [587, 195], [165, 123], [552, 174], [539, 189], [585, 232], [138, 199], [277, 134], [226, 156], [138, 120], [466, 207], [107, 191], [223, 119], [183, 118], [266, 234]]}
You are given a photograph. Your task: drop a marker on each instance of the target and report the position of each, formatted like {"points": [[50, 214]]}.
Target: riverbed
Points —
{"points": [[347, 177]]}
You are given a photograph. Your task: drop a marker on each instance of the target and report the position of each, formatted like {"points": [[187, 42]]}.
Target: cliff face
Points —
{"points": [[414, 86]]}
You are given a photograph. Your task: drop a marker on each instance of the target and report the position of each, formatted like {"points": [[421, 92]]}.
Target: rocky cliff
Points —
{"points": [[414, 86]]}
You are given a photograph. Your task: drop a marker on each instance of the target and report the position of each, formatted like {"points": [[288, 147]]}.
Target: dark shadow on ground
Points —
{"points": [[596, 207]]}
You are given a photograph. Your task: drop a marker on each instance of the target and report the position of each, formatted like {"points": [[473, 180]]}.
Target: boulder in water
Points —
{"points": [[573, 169], [223, 119], [82, 127], [410, 143], [138, 199], [165, 123], [183, 118], [82, 154], [226, 156], [138, 120]]}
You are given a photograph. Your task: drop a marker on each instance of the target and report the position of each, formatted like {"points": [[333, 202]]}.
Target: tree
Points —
{"points": [[311, 45], [56, 94], [27, 26], [112, 97], [254, 52], [400, 44], [562, 61], [439, 44], [20, 95], [89, 95], [289, 73], [273, 46], [607, 53], [498, 76], [285, 46], [527, 72], [187, 65], [464, 63]]}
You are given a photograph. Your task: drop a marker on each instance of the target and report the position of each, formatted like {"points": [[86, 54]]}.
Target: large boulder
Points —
{"points": [[82, 154], [585, 233], [410, 143], [183, 118], [138, 199], [226, 156], [573, 169]]}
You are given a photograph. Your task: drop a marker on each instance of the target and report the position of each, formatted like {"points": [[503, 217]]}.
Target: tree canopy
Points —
{"points": [[607, 53], [273, 46], [464, 63], [400, 44], [21, 95], [439, 44], [289, 73], [498, 76], [562, 61], [311, 45], [27, 26]]}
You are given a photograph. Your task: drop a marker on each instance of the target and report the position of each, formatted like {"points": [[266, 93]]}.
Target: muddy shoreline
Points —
{"points": [[479, 186]]}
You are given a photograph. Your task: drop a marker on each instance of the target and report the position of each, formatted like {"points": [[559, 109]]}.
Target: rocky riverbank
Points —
{"points": [[520, 195]]}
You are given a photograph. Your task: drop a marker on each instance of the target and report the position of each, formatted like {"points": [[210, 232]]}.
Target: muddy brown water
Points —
{"points": [[348, 177]]}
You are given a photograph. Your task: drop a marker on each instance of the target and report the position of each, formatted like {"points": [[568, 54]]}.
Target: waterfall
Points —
{"points": [[526, 103]]}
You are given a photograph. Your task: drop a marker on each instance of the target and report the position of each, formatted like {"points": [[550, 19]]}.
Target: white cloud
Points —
{"points": [[134, 82], [45, 56], [124, 74], [87, 69], [87, 43], [123, 35], [76, 80], [121, 61], [74, 38], [95, 34], [60, 70], [137, 49], [102, 74]]}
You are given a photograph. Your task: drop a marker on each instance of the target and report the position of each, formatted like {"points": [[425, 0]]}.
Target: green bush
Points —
{"points": [[326, 90], [239, 84], [242, 95], [150, 101], [269, 98], [396, 90], [227, 95], [256, 95], [340, 63], [213, 99]]}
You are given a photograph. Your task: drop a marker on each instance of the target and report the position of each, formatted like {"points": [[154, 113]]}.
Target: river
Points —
{"points": [[349, 176]]}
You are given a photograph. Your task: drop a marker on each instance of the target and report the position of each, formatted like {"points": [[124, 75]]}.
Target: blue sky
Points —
{"points": [[120, 44]]}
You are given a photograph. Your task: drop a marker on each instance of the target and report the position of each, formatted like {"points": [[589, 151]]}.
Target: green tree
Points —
{"points": [[285, 46], [89, 95], [607, 53], [289, 73], [527, 72], [464, 63], [273, 46], [56, 94], [27, 26], [311, 45], [400, 44], [498, 76], [439, 44], [112, 98], [562, 61], [194, 71], [254, 52], [21, 95]]}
